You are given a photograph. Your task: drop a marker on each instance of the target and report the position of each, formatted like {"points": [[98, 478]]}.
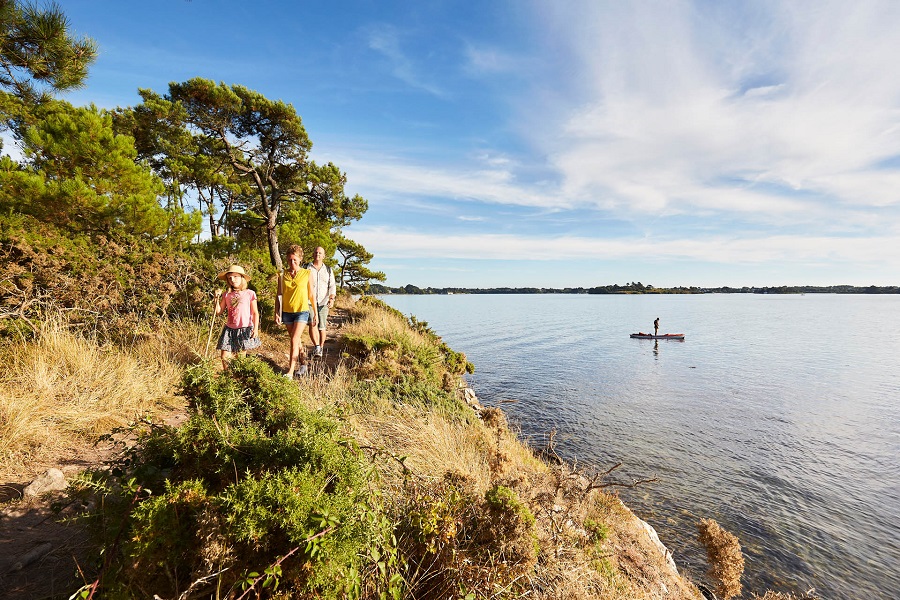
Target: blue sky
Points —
{"points": [[566, 143]]}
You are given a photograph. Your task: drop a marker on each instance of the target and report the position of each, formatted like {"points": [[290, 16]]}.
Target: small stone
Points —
{"points": [[52, 481]]}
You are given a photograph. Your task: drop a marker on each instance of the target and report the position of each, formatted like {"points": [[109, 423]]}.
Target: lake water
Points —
{"points": [[778, 416]]}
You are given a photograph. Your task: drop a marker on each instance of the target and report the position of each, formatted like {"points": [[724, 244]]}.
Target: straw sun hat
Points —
{"points": [[234, 269]]}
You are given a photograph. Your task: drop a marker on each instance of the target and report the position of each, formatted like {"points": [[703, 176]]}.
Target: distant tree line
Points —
{"points": [[639, 288]]}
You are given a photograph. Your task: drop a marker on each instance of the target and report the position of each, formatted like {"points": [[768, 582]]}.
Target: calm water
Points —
{"points": [[778, 416]]}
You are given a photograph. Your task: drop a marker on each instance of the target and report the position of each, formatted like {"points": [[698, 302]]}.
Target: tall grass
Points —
{"points": [[458, 506], [393, 347], [438, 460], [61, 391]]}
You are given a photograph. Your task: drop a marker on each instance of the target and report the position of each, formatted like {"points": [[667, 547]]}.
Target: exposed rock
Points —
{"points": [[654, 537], [471, 399], [51, 481]]}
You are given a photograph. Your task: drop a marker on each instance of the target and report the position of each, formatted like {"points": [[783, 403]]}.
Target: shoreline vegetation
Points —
{"points": [[639, 288], [381, 476], [375, 478]]}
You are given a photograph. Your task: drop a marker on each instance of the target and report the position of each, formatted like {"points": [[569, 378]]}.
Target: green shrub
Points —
{"points": [[414, 392], [124, 284], [252, 477], [599, 531], [511, 527], [453, 540]]}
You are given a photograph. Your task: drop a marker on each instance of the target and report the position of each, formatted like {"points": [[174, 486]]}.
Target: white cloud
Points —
{"points": [[491, 182], [392, 243], [489, 60], [668, 119], [775, 116], [779, 115]]}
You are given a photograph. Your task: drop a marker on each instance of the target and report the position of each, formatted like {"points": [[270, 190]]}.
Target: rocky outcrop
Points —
{"points": [[654, 537]]}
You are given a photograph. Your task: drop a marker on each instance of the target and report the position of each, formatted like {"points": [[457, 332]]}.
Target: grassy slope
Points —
{"points": [[396, 394]]}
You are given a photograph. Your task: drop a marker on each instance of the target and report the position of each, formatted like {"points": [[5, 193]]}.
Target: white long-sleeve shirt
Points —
{"points": [[323, 283]]}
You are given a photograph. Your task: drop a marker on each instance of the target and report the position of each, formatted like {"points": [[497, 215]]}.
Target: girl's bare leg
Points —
{"points": [[226, 358]]}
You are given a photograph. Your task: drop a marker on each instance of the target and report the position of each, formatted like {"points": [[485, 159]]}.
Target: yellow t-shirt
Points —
{"points": [[295, 297]]}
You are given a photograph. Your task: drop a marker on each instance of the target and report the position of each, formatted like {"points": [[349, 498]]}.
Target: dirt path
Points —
{"points": [[43, 547]]}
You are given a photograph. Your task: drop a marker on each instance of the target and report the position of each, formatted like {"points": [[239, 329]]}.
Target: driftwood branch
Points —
{"points": [[401, 460], [597, 481]]}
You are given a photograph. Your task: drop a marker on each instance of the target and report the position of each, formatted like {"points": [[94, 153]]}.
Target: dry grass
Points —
{"points": [[435, 445], [723, 552], [62, 391], [575, 560]]}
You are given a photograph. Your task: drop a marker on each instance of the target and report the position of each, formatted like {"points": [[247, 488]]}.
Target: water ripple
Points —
{"points": [[787, 437]]}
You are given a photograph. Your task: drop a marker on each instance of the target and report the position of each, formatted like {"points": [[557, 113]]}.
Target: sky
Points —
{"points": [[566, 143]]}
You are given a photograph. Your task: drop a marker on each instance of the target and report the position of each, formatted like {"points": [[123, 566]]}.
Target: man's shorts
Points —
{"points": [[289, 318], [323, 317]]}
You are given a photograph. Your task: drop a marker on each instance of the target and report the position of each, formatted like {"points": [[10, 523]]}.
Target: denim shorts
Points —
{"points": [[289, 318]]}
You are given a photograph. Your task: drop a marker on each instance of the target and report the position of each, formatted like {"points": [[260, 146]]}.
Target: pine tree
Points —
{"points": [[37, 54]]}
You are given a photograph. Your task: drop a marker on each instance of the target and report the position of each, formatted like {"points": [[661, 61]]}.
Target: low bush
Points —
{"points": [[455, 543], [406, 390], [251, 478], [389, 345]]}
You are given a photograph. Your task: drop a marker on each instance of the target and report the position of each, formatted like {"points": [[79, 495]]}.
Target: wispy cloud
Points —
{"points": [[394, 243], [483, 181], [680, 113], [484, 60], [669, 118], [386, 40]]}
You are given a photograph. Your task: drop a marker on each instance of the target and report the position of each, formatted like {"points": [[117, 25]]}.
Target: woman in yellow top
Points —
{"points": [[295, 296]]}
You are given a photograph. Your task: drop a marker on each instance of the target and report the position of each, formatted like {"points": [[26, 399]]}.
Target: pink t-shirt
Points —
{"points": [[238, 306]]}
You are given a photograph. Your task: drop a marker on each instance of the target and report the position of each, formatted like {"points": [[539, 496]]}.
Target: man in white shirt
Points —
{"points": [[322, 279]]}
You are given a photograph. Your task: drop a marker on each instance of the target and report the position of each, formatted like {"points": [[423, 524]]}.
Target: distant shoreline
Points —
{"points": [[637, 288]]}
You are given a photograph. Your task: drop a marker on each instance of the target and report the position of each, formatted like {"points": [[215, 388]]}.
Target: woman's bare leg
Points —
{"points": [[295, 332]]}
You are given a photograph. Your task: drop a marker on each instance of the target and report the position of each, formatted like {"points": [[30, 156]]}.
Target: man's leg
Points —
{"points": [[322, 325], [314, 335]]}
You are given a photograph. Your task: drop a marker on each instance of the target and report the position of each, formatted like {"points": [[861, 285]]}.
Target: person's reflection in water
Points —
{"points": [[656, 348]]}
